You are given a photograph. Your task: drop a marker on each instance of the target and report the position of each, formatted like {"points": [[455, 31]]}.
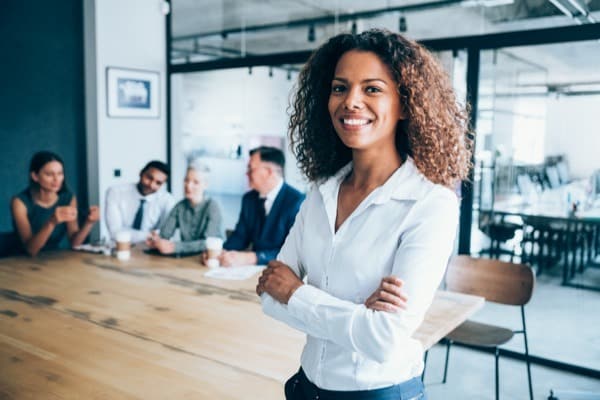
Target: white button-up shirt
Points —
{"points": [[405, 228], [122, 203], [271, 196]]}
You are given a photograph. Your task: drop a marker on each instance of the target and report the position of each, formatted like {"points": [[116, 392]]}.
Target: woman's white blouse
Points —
{"points": [[404, 228]]}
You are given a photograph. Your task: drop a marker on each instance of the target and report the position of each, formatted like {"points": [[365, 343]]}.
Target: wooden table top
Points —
{"points": [[78, 325]]}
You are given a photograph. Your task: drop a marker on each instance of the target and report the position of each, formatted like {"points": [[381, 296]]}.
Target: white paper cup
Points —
{"points": [[214, 247], [123, 250]]}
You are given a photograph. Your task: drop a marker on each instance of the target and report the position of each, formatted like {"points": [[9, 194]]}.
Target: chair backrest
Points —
{"points": [[497, 281], [9, 244], [553, 177], [525, 184], [563, 172], [486, 192]]}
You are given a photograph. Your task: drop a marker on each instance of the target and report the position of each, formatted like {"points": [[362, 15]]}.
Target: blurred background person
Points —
{"points": [[196, 216], [45, 212], [139, 207], [268, 211]]}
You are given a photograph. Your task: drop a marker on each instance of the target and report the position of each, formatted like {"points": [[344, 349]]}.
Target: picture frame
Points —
{"points": [[132, 93]]}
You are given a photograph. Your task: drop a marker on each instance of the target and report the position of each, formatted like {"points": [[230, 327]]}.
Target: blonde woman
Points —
{"points": [[196, 216]]}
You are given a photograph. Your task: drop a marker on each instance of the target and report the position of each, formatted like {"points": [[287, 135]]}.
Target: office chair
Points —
{"points": [[498, 282]]}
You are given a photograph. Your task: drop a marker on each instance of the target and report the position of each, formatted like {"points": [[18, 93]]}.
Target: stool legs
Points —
{"points": [[448, 344]]}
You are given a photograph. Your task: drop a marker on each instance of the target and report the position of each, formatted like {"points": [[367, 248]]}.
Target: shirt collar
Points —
{"points": [[196, 207], [270, 197], [406, 183]]}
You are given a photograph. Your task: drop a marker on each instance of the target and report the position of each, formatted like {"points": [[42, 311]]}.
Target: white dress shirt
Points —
{"points": [[271, 196], [406, 228], [122, 203]]}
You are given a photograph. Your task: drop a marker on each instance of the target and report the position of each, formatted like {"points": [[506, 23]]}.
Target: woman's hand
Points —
{"points": [[64, 214], [164, 246], [204, 258], [388, 296], [279, 281], [93, 214], [152, 239]]}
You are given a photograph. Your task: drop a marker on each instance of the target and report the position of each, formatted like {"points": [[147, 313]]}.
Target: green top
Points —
{"points": [[195, 224]]}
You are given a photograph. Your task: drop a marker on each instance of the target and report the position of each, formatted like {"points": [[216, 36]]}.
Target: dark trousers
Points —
{"points": [[298, 387]]}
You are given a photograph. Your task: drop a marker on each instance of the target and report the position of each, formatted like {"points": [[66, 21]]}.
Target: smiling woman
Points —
{"points": [[377, 128], [433, 126], [46, 211]]}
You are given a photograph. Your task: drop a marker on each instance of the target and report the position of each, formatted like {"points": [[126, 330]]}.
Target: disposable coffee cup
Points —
{"points": [[214, 248], [123, 250]]}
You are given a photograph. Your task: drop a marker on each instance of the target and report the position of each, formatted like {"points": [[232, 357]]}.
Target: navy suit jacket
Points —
{"points": [[268, 241]]}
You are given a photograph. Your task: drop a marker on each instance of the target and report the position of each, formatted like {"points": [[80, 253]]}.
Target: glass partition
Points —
{"points": [[535, 199]]}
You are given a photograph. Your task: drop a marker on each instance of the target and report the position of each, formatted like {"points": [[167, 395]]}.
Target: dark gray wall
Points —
{"points": [[41, 93]]}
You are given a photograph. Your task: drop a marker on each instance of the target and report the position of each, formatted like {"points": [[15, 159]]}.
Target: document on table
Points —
{"points": [[240, 273], [91, 248]]}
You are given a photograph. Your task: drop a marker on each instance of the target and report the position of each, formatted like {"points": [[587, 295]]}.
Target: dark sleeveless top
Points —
{"points": [[38, 215]]}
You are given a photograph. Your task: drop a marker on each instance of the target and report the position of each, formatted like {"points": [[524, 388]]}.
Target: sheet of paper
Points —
{"points": [[240, 273], [93, 248]]}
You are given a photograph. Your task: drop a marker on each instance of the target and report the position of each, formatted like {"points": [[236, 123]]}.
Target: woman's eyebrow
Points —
{"points": [[369, 80]]}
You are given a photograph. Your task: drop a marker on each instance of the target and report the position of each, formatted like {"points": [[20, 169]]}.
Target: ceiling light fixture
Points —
{"points": [[486, 3], [562, 8], [578, 6], [581, 8], [402, 27], [311, 33]]}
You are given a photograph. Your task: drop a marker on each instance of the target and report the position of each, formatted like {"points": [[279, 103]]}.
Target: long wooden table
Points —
{"points": [[78, 325]]}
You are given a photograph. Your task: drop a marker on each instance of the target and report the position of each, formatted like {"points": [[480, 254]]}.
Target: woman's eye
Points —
{"points": [[337, 89], [373, 89]]}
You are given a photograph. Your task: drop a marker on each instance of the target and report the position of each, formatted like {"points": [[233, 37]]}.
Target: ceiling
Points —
{"points": [[211, 29]]}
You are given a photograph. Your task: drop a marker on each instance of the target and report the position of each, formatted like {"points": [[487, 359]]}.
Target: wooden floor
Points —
{"points": [[76, 325]]}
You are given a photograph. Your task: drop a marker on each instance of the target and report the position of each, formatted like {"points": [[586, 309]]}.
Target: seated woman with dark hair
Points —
{"points": [[196, 216], [46, 211]]}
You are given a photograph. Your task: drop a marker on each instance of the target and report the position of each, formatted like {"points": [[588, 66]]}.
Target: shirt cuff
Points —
{"points": [[303, 301]]}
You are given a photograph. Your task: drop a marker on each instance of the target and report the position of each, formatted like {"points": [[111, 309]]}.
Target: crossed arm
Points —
{"points": [[279, 281], [383, 325]]}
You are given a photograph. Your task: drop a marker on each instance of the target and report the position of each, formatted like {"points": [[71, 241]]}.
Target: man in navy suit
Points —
{"points": [[268, 211]]}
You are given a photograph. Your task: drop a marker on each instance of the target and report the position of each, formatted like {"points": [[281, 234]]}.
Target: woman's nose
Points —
{"points": [[353, 99]]}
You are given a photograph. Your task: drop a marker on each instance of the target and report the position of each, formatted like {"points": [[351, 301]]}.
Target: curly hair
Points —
{"points": [[435, 133]]}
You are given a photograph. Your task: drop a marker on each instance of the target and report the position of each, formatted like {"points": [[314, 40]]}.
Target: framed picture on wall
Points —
{"points": [[132, 93]]}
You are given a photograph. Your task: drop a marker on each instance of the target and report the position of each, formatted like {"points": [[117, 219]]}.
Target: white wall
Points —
{"points": [[126, 34], [562, 125], [573, 128]]}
